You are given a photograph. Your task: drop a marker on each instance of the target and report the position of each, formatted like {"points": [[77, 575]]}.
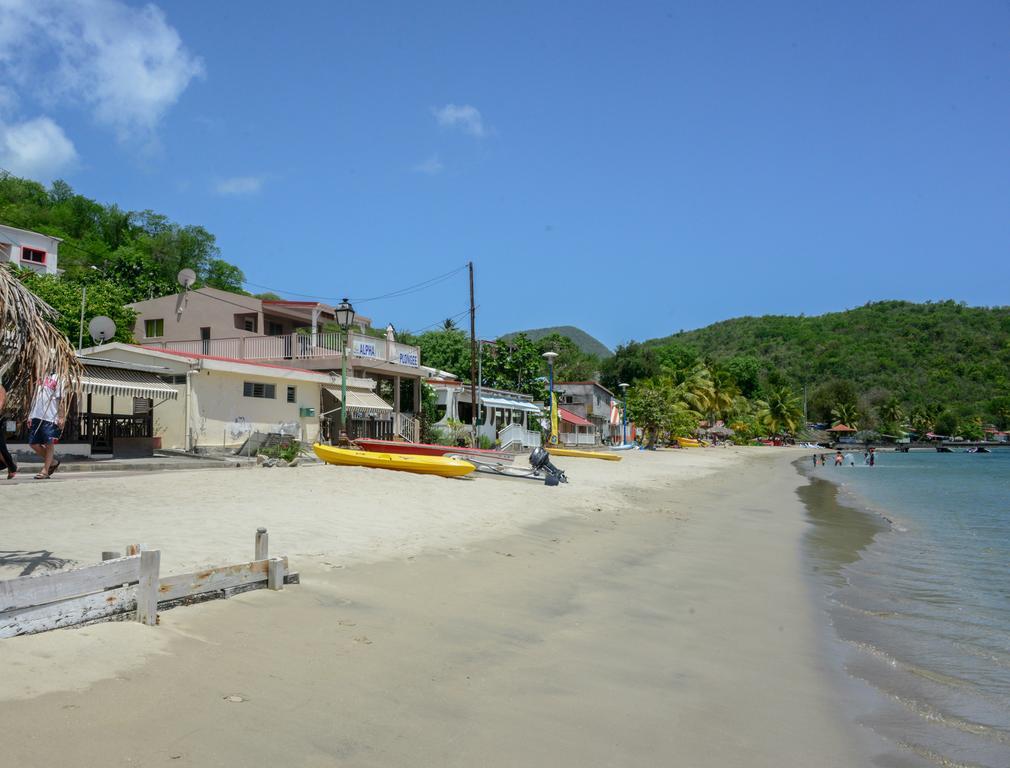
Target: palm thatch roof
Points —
{"points": [[31, 347]]}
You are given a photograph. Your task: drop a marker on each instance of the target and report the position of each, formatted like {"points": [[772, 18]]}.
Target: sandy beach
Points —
{"points": [[653, 611]]}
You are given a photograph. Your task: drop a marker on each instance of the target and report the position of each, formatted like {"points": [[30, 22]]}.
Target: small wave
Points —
{"points": [[927, 712], [936, 758]]}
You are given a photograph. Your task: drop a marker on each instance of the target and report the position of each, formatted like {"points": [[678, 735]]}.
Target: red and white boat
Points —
{"points": [[427, 449]]}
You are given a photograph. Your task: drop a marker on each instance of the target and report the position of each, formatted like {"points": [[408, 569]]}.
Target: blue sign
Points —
{"points": [[409, 358]]}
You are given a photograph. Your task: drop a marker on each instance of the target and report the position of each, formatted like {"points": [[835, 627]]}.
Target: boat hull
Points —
{"points": [[422, 465], [428, 449], [686, 442], [583, 454]]}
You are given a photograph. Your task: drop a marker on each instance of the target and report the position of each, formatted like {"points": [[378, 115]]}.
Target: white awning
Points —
{"points": [[99, 380], [358, 400], [505, 402]]}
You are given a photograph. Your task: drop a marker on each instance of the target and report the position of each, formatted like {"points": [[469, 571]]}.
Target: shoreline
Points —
{"points": [[665, 618]]}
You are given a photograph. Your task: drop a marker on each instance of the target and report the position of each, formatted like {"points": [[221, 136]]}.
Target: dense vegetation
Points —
{"points": [[121, 256], [585, 342], [886, 366]]}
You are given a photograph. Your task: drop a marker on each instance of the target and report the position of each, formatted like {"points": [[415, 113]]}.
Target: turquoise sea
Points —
{"points": [[914, 553]]}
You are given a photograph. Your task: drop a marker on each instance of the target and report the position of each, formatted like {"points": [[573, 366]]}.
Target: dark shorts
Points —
{"points": [[42, 432]]}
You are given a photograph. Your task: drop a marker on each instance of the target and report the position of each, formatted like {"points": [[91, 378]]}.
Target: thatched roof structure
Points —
{"points": [[31, 348]]}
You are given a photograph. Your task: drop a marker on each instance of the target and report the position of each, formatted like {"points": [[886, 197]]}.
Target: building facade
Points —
{"points": [[29, 250], [296, 334], [595, 403]]}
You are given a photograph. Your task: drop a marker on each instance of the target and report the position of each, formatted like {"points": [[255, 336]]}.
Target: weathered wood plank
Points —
{"points": [[214, 579], [275, 573], [66, 613], [147, 588], [28, 591]]}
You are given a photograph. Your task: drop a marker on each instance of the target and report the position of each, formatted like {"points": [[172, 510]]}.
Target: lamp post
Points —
{"points": [[624, 414], [549, 357], [345, 316]]}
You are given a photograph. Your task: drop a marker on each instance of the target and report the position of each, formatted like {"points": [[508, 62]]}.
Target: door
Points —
{"points": [[205, 340]]}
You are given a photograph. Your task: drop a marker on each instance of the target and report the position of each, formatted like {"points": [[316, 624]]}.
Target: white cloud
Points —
{"points": [[37, 148], [127, 65], [239, 185], [431, 166], [466, 117]]}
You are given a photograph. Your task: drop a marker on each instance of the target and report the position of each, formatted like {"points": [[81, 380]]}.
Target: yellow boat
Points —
{"points": [[424, 465], [688, 442], [583, 454]]}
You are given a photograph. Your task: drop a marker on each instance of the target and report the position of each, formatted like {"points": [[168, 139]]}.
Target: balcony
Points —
{"points": [[296, 346]]}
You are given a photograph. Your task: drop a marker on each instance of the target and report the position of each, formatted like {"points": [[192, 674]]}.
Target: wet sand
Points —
{"points": [[655, 612]]}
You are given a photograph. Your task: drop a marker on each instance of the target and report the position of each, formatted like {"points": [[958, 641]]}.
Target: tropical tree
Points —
{"points": [[31, 346], [449, 324], [780, 412], [891, 415], [846, 413], [649, 407]]}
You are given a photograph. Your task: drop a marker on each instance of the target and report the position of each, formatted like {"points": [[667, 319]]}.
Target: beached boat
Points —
{"points": [[583, 454], [688, 442], [429, 449], [424, 465]]}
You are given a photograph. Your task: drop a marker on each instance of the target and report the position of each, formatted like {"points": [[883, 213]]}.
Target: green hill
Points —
{"points": [[942, 354], [581, 339]]}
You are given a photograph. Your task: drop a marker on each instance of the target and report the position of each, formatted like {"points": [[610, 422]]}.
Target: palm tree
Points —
{"points": [[781, 412], [31, 347], [449, 324], [847, 414]]}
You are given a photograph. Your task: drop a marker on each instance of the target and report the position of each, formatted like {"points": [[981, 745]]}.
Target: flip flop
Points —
{"points": [[41, 476], [52, 470]]}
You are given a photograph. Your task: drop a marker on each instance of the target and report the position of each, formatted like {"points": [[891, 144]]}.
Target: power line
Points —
{"points": [[406, 291]]}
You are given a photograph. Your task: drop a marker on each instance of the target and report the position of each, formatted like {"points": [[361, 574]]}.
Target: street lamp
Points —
{"points": [[549, 357], [624, 414], [345, 316]]}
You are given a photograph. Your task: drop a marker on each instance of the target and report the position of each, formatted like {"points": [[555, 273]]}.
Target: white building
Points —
{"points": [[222, 401], [30, 250]]}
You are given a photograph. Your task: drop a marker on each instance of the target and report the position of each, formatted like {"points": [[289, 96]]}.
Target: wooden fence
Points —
{"points": [[119, 586]]}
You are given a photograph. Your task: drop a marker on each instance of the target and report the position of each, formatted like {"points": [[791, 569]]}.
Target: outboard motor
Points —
{"points": [[540, 460]]}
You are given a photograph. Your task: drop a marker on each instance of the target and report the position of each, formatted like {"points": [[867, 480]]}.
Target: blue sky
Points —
{"points": [[633, 170]]}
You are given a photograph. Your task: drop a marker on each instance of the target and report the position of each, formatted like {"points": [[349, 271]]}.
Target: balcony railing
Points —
{"points": [[296, 346]]}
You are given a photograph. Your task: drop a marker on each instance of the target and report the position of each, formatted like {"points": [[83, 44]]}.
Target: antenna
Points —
{"points": [[101, 328], [186, 278]]}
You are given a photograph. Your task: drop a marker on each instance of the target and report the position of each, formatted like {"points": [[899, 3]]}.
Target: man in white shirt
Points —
{"points": [[45, 423]]}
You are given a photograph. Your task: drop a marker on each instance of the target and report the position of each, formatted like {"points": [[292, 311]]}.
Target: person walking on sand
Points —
{"points": [[45, 424], [8, 460]]}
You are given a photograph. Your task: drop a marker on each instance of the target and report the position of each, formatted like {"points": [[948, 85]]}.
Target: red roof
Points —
{"points": [[841, 428], [573, 418]]}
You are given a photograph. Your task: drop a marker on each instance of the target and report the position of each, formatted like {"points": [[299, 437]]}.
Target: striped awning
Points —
{"points": [[101, 380], [357, 400]]}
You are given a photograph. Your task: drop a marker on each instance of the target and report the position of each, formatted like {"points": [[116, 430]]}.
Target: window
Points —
{"points": [[172, 378], [292, 394], [249, 324], [274, 329], [34, 255], [154, 329], [256, 389]]}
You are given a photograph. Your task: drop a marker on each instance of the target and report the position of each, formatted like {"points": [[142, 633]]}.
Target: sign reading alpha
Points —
{"points": [[364, 348]]}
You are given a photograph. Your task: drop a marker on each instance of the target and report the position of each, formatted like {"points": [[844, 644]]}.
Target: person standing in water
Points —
{"points": [[873, 457], [838, 458]]}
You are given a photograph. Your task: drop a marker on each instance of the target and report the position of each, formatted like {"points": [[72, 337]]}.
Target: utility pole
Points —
{"points": [[475, 406]]}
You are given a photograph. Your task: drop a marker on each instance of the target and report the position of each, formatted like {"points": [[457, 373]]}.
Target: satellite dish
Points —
{"points": [[186, 278], [101, 328]]}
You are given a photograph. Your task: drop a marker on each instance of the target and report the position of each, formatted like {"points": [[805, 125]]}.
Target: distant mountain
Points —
{"points": [[582, 340]]}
